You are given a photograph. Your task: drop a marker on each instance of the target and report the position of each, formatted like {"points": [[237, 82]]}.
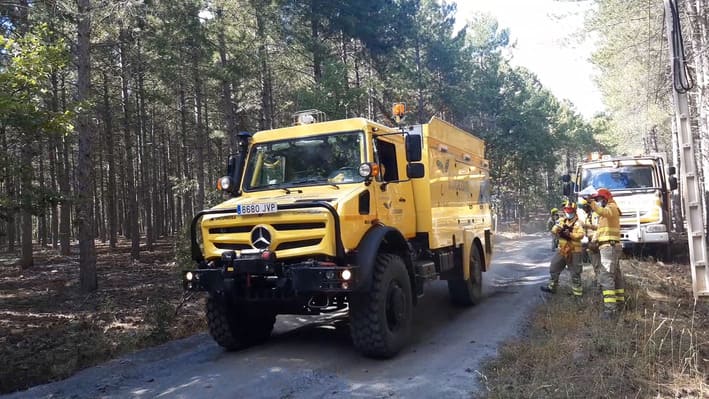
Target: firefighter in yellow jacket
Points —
{"points": [[608, 237], [591, 225], [570, 234]]}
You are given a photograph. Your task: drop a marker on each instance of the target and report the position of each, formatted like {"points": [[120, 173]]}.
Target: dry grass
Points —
{"points": [[49, 330], [658, 347]]}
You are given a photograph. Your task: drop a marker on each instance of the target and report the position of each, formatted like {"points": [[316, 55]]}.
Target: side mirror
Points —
{"points": [[231, 165], [566, 178], [415, 170], [413, 148], [566, 190], [672, 170], [673, 183]]}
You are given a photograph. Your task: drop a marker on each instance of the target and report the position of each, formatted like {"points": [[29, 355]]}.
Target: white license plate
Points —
{"points": [[252, 209]]}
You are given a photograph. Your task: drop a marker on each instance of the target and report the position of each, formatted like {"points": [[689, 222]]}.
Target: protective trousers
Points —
{"points": [[610, 276], [595, 257], [558, 262]]}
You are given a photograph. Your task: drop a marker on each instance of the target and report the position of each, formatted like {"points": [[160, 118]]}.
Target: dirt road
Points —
{"points": [[313, 357]]}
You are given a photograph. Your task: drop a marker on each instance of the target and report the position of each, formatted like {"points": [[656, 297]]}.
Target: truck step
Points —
{"points": [[425, 269]]}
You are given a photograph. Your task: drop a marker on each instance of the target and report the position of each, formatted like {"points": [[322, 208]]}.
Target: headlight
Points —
{"points": [[367, 170], [189, 276], [224, 183], [656, 228], [346, 274]]}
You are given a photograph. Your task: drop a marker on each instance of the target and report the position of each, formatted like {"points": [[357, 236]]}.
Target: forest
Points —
{"points": [[117, 117]]}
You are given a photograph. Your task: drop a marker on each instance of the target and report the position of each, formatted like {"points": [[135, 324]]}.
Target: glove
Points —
{"points": [[565, 234]]}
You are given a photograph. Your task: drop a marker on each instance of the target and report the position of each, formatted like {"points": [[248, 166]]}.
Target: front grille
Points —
{"points": [[298, 244], [298, 226], [241, 235], [230, 230], [235, 247]]}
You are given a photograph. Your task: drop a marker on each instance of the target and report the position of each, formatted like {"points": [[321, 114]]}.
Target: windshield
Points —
{"points": [[624, 177], [328, 159]]}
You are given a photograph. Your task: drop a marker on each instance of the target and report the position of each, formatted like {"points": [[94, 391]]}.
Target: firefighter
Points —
{"points": [[590, 225], [608, 236], [553, 219], [570, 233]]}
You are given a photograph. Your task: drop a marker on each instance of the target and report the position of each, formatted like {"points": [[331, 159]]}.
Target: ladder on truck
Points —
{"points": [[689, 182]]}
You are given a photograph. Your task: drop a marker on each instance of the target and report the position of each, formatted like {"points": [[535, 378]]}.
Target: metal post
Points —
{"points": [[689, 182]]}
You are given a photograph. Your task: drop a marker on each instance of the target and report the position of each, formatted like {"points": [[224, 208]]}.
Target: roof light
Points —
{"points": [[306, 119], [398, 110]]}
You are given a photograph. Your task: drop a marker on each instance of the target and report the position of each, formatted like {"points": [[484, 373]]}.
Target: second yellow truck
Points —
{"points": [[347, 214]]}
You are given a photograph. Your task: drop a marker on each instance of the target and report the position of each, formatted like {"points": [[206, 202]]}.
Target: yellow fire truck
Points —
{"points": [[327, 216]]}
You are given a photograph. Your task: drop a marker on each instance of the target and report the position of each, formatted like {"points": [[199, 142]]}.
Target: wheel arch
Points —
{"points": [[377, 240]]}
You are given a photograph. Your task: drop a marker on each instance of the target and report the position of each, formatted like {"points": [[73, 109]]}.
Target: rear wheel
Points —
{"points": [[469, 292], [380, 320]]}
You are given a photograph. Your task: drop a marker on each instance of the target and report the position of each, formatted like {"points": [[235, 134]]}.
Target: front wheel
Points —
{"points": [[235, 327], [380, 319], [469, 292]]}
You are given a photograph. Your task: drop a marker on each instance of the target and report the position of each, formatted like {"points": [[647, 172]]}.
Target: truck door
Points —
{"points": [[394, 198]]}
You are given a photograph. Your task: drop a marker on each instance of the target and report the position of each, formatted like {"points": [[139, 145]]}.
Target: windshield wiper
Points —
{"points": [[315, 180], [307, 180], [277, 185]]}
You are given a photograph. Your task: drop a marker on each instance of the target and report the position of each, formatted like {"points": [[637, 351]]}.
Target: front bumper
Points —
{"points": [[265, 279], [640, 235]]}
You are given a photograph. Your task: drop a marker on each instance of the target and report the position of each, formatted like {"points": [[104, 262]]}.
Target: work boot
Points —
{"points": [[548, 289]]}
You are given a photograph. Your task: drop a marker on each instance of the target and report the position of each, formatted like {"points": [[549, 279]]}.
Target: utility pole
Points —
{"points": [[689, 181]]}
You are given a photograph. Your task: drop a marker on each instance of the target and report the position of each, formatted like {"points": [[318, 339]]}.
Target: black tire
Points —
{"points": [[469, 292], [664, 252], [260, 327], [233, 328], [380, 320]]}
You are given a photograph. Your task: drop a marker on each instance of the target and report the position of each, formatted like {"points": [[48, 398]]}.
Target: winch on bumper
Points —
{"points": [[258, 272]]}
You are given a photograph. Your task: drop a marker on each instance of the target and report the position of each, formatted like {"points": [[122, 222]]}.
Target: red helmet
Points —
{"points": [[604, 193], [570, 207]]}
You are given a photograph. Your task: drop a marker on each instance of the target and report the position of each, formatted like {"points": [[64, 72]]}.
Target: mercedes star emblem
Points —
{"points": [[260, 237]]}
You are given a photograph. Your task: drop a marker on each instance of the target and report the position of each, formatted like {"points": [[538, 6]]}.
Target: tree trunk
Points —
{"points": [[146, 167], [9, 178], [200, 137], [187, 209], [65, 190], [26, 260], [227, 99], [132, 203], [315, 41], [266, 120], [87, 251], [42, 217], [111, 163], [54, 161]]}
